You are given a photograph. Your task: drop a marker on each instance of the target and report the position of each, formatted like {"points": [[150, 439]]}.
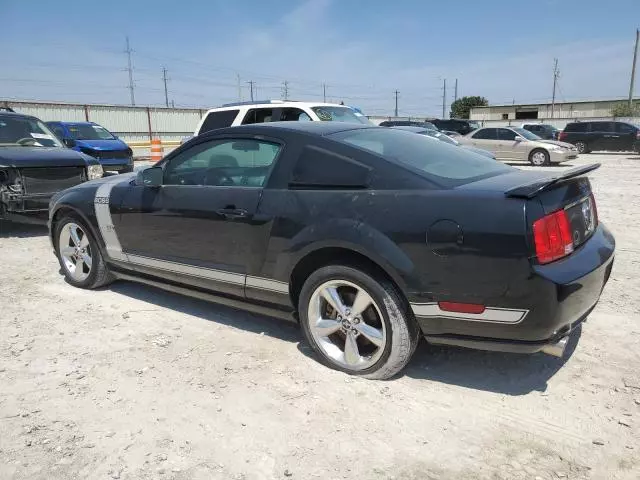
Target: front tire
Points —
{"points": [[79, 254], [357, 322], [539, 157]]}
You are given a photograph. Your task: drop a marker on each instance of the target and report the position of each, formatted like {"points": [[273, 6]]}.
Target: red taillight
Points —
{"points": [[562, 135], [461, 307], [552, 237]]}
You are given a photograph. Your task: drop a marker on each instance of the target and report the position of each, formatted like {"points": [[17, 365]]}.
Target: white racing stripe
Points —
{"points": [[103, 216], [490, 314]]}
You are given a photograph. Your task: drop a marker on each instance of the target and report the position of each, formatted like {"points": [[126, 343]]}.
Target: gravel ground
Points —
{"points": [[134, 383]]}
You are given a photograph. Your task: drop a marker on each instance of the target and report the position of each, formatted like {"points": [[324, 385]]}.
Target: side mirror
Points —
{"points": [[149, 177], [519, 139], [69, 142]]}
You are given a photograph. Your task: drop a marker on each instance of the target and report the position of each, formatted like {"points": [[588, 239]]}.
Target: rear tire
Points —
{"points": [[539, 157], [582, 147], [375, 341], [79, 254]]}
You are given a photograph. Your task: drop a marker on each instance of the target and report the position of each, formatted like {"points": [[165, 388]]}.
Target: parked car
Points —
{"points": [[34, 165], [609, 135], [245, 113], [543, 130], [408, 123], [451, 133], [87, 137], [518, 144], [445, 138], [459, 125], [374, 236]]}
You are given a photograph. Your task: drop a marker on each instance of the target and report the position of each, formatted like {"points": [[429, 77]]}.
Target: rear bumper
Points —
{"points": [[542, 309]]}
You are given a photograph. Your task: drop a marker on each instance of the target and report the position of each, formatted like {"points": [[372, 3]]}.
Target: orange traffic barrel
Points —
{"points": [[156, 150]]}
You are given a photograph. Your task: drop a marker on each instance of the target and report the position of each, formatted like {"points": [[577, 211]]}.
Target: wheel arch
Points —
{"points": [[63, 209]]}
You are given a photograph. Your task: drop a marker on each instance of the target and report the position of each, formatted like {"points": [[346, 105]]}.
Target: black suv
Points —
{"points": [[590, 136], [543, 130], [457, 125]]}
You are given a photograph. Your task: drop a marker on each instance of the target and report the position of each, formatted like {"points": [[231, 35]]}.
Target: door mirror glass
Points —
{"points": [[518, 139], [69, 142], [149, 177]]}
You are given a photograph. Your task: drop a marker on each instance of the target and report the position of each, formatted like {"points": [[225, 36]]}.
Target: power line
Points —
{"points": [[128, 51], [164, 79]]}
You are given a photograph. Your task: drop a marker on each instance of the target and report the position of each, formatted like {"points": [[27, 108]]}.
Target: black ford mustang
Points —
{"points": [[369, 237], [33, 166]]}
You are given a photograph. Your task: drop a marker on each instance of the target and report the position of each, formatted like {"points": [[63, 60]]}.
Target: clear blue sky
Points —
{"points": [[362, 50]]}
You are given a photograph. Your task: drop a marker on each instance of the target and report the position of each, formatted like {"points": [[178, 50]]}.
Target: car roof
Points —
{"points": [[16, 114], [315, 128], [74, 123], [273, 104]]}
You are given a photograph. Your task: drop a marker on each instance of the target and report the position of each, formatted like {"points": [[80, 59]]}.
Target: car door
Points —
{"points": [[487, 139], [509, 148], [602, 136], [201, 223], [626, 136]]}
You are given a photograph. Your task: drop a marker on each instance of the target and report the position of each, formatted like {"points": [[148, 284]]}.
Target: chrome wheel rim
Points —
{"points": [[75, 251], [539, 158], [347, 324], [581, 147]]}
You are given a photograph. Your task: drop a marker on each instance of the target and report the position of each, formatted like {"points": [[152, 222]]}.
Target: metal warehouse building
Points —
{"points": [[563, 112]]}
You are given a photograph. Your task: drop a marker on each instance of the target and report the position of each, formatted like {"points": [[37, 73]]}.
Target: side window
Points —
{"points": [[625, 128], [506, 134], [218, 120], [294, 115], [57, 129], [576, 127], [602, 127], [239, 162], [258, 115], [317, 167], [486, 134]]}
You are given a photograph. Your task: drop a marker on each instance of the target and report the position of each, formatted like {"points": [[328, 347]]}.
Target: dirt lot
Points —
{"points": [[134, 383]]}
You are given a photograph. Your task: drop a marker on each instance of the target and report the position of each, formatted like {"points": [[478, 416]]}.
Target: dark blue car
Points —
{"points": [[90, 138]]}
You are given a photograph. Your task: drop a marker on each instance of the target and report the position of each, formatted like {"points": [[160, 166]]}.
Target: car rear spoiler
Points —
{"points": [[530, 190]]}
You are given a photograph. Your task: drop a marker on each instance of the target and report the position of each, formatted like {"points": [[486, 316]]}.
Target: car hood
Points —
{"points": [[555, 142], [20, 157], [102, 144]]}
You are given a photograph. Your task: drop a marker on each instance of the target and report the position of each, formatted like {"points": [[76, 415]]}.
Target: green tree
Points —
{"points": [[462, 106], [625, 110]]}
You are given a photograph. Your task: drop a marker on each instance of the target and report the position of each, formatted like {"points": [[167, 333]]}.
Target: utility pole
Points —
{"points": [[285, 90], [164, 79], [396, 110], [173, 104], [444, 97], [455, 91], [128, 51], [633, 68], [239, 87], [251, 82], [556, 74], [324, 92]]}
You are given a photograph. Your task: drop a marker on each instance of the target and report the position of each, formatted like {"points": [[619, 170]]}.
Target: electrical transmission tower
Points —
{"points": [[164, 79], [556, 74], [128, 51], [285, 90], [396, 95]]}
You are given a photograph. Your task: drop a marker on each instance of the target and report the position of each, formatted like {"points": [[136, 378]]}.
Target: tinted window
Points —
{"points": [[318, 167], [486, 134], [27, 131], [576, 127], [443, 164], [258, 115], [294, 115], [522, 132], [625, 128], [506, 134], [340, 114], [602, 126], [218, 120], [85, 131], [57, 129], [241, 162]]}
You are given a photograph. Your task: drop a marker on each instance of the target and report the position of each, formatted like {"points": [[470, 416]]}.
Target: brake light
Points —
{"points": [[638, 134], [461, 307], [552, 237], [562, 135]]}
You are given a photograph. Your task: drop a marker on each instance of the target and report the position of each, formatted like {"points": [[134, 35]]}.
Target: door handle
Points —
{"points": [[232, 213]]}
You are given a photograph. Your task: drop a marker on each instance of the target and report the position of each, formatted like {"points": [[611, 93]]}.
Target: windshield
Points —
{"points": [[441, 136], [26, 131], [89, 132], [526, 134], [340, 114], [441, 163]]}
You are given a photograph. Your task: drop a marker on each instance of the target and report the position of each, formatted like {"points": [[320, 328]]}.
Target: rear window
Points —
{"points": [[215, 120], [576, 127], [446, 165]]}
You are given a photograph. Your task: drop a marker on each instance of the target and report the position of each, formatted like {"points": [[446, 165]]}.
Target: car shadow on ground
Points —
{"points": [[22, 230], [506, 373], [210, 311]]}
